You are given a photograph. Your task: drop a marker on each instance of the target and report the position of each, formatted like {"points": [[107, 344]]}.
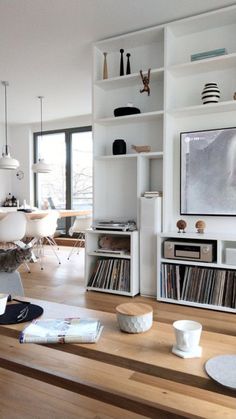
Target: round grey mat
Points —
{"points": [[222, 369]]}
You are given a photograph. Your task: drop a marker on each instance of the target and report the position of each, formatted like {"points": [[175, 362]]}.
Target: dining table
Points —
{"points": [[35, 214]]}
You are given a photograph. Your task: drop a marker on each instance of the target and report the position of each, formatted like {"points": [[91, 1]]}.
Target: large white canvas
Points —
{"points": [[208, 172]]}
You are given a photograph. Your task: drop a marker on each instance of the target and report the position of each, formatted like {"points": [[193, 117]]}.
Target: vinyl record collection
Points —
{"points": [[113, 274], [199, 284]]}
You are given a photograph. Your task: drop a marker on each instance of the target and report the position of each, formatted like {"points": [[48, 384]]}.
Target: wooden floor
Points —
{"points": [[65, 284]]}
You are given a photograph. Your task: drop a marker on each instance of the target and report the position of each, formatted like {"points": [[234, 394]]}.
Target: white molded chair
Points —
{"points": [[80, 225], [12, 230], [12, 227], [43, 229]]}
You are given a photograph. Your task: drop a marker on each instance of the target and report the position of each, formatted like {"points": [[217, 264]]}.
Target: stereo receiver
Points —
{"points": [[202, 252]]}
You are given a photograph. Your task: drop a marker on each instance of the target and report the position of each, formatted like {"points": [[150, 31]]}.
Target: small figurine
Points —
{"points": [[128, 70], [105, 70], [145, 80], [121, 62], [200, 225], [181, 224]]}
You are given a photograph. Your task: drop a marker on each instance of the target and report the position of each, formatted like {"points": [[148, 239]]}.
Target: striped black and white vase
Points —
{"points": [[210, 93]]}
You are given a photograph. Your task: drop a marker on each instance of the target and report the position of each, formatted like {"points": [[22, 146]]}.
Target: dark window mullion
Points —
{"points": [[36, 152], [68, 140]]}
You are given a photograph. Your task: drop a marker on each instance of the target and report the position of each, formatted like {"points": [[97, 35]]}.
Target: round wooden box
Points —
{"points": [[134, 317]]}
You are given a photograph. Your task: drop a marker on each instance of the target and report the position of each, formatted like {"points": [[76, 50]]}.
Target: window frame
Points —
{"points": [[68, 143]]}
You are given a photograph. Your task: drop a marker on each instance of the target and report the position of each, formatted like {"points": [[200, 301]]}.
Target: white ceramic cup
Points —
{"points": [[187, 334], [3, 302]]}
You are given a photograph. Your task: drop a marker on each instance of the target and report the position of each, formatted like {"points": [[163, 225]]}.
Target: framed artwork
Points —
{"points": [[208, 172]]}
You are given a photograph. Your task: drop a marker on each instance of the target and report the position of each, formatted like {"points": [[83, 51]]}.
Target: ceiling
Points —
{"points": [[46, 48]]}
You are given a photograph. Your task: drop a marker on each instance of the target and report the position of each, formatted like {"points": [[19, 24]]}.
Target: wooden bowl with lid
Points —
{"points": [[134, 317]]}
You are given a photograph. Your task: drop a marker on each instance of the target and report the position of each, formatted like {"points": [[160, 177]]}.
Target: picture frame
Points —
{"points": [[208, 172]]}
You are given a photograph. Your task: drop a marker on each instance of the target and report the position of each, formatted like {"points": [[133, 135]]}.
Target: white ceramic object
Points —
{"points": [[134, 317], [197, 353], [187, 334], [3, 302]]}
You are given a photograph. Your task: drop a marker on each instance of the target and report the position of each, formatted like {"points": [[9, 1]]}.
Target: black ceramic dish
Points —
{"points": [[126, 110]]}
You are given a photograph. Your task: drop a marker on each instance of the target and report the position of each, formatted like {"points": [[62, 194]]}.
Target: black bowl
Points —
{"points": [[126, 110]]}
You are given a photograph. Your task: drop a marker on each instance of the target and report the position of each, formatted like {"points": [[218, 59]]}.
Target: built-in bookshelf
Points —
{"points": [[174, 106]]}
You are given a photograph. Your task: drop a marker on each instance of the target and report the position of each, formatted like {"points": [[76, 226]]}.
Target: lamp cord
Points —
{"points": [[5, 84], [41, 114]]}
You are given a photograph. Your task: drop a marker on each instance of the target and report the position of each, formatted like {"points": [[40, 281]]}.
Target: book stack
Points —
{"points": [[208, 54], [152, 194], [198, 284], [113, 274]]}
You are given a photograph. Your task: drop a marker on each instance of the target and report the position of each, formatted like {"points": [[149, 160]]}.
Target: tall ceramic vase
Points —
{"points": [[210, 93]]}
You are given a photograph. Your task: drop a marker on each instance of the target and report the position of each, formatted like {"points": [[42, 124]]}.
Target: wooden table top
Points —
{"points": [[62, 213], [37, 214], [135, 372]]}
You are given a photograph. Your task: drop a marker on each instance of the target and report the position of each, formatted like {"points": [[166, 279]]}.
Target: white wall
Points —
{"points": [[5, 175], [21, 139]]}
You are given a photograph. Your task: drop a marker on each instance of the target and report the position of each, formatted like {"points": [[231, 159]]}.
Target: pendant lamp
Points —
{"points": [[41, 166], [6, 161]]}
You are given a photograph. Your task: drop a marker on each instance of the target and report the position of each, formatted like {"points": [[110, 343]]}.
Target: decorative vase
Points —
{"points": [[119, 147], [121, 62], [128, 69], [105, 70], [210, 93]]}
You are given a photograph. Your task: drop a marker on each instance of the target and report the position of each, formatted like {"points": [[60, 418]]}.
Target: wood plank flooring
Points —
{"points": [[65, 284]]}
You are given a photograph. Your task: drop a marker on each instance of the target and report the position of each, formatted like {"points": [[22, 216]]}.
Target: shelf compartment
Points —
{"points": [[198, 305], [210, 64], [191, 263], [109, 255], [157, 74], [109, 291], [198, 284], [147, 116], [186, 111], [149, 155]]}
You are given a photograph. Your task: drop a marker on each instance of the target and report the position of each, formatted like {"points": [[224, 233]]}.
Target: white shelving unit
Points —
{"points": [[183, 110], [92, 238], [174, 106], [119, 181], [221, 243]]}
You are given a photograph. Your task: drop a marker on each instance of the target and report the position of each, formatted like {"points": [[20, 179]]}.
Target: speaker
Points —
{"points": [[119, 147], [150, 225]]}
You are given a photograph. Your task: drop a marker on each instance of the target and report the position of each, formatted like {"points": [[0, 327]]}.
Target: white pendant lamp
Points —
{"points": [[6, 161], [41, 166]]}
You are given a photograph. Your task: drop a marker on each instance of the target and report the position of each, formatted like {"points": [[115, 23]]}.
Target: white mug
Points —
{"points": [[187, 334], [3, 302]]}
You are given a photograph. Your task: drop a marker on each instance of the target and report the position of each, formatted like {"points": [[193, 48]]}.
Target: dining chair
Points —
{"points": [[12, 230], [42, 230], [80, 225]]}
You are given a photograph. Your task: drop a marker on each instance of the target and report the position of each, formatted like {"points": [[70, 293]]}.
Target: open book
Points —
{"points": [[73, 330]]}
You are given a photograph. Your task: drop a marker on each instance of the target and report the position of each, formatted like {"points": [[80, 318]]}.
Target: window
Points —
{"points": [[69, 185]]}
